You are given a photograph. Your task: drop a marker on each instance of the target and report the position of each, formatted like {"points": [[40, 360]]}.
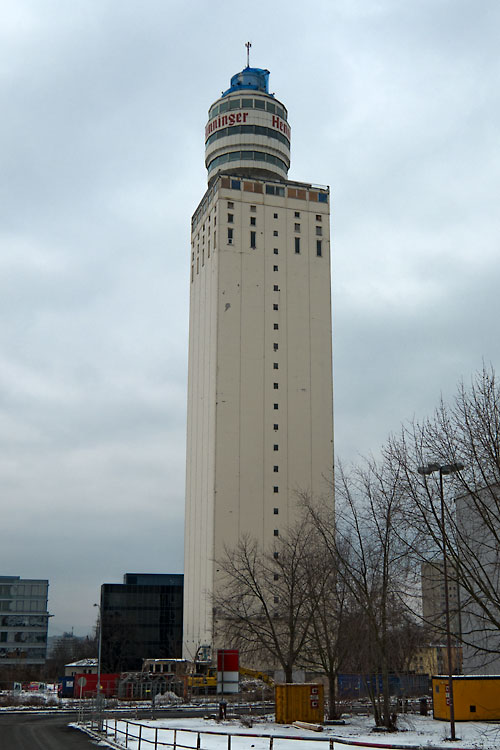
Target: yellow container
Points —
{"points": [[299, 702], [475, 697]]}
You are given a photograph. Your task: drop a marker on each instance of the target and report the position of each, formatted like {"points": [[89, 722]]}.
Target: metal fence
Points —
{"points": [[124, 732]]}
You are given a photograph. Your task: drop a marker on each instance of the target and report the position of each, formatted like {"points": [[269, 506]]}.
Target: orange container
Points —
{"points": [[475, 697], [299, 702]]}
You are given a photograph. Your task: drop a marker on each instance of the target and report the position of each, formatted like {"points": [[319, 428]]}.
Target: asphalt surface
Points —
{"points": [[20, 730], [24, 731]]}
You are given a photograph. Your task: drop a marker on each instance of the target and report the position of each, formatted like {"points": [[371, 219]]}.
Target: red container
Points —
{"points": [[89, 689], [228, 660]]}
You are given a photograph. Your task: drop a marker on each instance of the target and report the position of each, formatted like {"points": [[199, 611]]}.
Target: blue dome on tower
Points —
{"points": [[256, 79]]}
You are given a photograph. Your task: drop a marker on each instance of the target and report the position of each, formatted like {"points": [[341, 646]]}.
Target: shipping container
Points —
{"points": [[299, 702], [66, 687], [475, 697], [86, 685]]}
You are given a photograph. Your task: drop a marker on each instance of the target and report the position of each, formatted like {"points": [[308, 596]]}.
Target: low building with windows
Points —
{"points": [[82, 666], [23, 621]]}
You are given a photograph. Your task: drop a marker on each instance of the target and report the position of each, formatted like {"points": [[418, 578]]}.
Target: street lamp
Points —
{"points": [[98, 690], [444, 470]]}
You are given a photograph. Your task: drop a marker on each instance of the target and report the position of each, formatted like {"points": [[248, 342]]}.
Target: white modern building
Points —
{"points": [[478, 531], [260, 401]]}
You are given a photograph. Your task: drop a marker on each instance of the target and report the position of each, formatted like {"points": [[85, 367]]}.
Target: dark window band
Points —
{"points": [[251, 129], [247, 156]]}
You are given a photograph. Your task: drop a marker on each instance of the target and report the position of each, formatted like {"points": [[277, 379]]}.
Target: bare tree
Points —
{"points": [[262, 603], [375, 570], [330, 603], [465, 432]]}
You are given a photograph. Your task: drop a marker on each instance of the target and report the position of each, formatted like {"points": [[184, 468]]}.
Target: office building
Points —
{"points": [[260, 401], [141, 619], [23, 621]]}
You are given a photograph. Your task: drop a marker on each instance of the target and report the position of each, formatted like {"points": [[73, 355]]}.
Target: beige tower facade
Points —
{"points": [[260, 401]]}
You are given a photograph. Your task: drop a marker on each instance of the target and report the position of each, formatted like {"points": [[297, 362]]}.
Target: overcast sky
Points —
{"points": [[393, 103]]}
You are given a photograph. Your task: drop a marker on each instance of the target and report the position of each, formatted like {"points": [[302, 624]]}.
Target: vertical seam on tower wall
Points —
{"points": [[216, 385], [265, 362], [241, 255], [309, 250]]}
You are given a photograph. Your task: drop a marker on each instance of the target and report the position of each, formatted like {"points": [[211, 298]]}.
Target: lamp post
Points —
{"points": [[444, 470], [98, 687]]}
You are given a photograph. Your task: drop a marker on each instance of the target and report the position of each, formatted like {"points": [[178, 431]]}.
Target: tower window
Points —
{"points": [[275, 469], [297, 214], [275, 426], [275, 555], [276, 577], [275, 288], [275, 216], [276, 532], [253, 209], [253, 240], [230, 218], [275, 233], [275, 347], [276, 511], [275, 251], [319, 231], [229, 236], [275, 268], [275, 489], [297, 227], [253, 221], [297, 244], [275, 365], [275, 406], [318, 217], [275, 386], [275, 447], [230, 204], [319, 249], [276, 326], [275, 306]]}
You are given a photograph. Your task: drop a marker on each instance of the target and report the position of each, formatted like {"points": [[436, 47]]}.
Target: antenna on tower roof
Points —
{"points": [[248, 45]]}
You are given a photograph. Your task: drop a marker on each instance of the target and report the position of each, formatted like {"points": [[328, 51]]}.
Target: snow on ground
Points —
{"points": [[417, 731]]}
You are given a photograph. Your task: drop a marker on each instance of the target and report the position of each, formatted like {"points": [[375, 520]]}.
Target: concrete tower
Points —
{"points": [[260, 403]]}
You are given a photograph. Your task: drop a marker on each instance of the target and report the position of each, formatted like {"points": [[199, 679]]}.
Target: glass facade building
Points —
{"points": [[141, 619], [23, 620]]}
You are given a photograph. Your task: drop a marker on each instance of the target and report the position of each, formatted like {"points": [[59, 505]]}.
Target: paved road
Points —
{"points": [[50, 731], [41, 732]]}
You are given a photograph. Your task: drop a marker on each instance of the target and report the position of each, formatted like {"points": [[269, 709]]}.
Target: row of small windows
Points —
{"points": [[319, 230], [251, 129], [253, 236], [234, 184], [248, 156], [253, 246], [312, 195], [231, 104]]}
